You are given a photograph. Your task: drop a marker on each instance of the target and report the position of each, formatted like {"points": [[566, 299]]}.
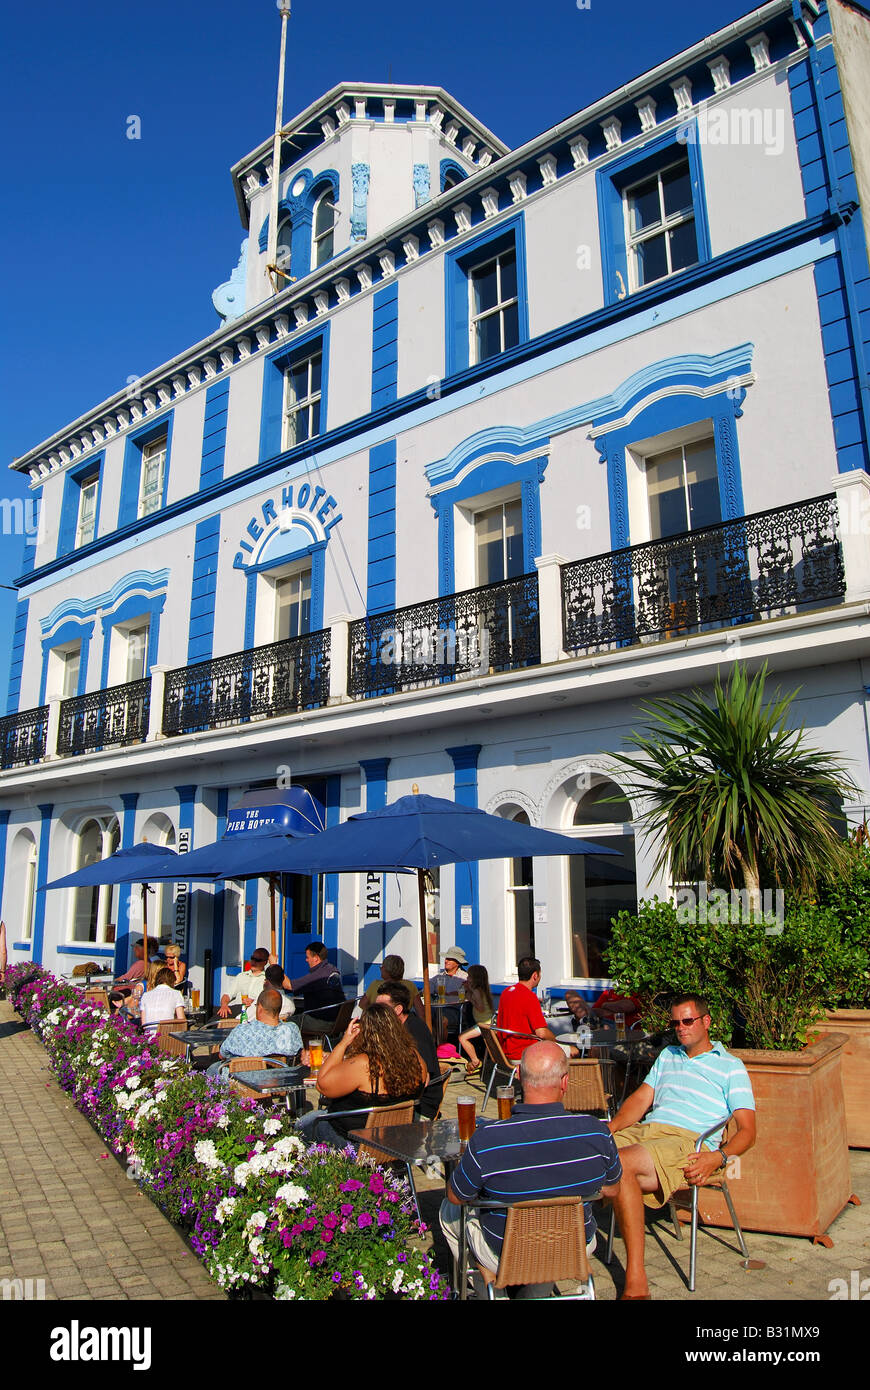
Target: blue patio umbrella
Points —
{"points": [[423, 832], [134, 865]]}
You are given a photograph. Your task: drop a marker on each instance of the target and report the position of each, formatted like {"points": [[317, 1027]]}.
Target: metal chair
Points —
{"points": [[498, 1059], [586, 1087], [336, 1028], [544, 1241], [718, 1179]]}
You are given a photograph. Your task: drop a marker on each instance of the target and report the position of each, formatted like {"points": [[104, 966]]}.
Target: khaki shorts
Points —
{"points": [[668, 1146]]}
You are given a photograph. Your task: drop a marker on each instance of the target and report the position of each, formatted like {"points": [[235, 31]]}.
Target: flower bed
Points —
{"points": [[262, 1210]]}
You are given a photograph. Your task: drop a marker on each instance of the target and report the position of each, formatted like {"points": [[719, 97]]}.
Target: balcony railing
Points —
{"points": [[22, 737], [474, 633], [771, 563], [104, 719], [282, 678]]}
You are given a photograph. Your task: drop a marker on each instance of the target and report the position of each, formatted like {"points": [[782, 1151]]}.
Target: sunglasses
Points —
{"points": [[685, 1022]]}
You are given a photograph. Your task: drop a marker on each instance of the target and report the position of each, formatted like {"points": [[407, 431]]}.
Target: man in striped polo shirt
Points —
{"points": [[541, 1151], [689, 1088]]}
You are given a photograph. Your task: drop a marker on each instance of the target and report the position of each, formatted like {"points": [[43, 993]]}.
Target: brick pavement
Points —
{"points": [[68, 1215], [794, 1270]]}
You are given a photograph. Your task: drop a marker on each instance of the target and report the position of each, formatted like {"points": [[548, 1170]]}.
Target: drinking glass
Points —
{"points": [[316, 1051], [505, 1097], [466, 1109], [619, 1020], [194, 996]]}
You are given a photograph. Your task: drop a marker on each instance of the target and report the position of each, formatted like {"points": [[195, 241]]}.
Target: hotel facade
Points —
{"points": [[504, 443]]}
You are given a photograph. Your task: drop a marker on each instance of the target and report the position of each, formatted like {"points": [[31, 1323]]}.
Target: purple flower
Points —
{"points": [[330, 1221], [350, 1186], [384, 1218], [364, 1219], [336, 1278], [318, 1257], [376, 1183], [347, 1209], [326, 1236]]}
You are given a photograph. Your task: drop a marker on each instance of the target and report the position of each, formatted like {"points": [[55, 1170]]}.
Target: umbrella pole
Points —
{"points": [[427, 993], [145, 923], [272, 914]]}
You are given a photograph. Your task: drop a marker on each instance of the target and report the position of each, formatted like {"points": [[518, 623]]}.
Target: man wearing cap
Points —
{"points": [[246, 986], [453, 976]]}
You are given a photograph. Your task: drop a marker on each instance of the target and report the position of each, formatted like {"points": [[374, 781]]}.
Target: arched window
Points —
{"points": [[600, 886], [324, 228], [283, 254], [21, 878], [520, 894], [95, 909]]}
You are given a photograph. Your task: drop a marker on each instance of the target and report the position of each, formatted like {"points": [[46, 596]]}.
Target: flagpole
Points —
{"points": [[272, 246]]}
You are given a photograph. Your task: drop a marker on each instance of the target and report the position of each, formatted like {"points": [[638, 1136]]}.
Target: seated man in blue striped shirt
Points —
{"points": [[541, 1151], [689, 1088]]}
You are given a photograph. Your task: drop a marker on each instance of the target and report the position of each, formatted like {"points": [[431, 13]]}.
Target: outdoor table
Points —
{"points": [[418, 1143], [276, 1081], [201, 1037], [441, 1005], [606, 1039]]}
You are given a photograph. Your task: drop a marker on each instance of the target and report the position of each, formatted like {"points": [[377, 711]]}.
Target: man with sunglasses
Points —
{"points": [[689, 1088]]}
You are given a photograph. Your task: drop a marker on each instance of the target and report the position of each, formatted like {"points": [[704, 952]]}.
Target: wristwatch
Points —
{"points": [[724, 1163]]}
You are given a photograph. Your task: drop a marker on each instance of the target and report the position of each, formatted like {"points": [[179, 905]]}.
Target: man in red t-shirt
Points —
{"points": [[519, 1010]]}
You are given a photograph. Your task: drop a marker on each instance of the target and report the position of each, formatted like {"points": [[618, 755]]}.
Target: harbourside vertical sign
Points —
{"points": [[181, 899]]}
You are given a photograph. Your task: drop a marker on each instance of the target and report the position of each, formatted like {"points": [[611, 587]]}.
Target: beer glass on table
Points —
{"points": [[619, 1020], [505, 1097], [316, 1053], [466, 1108]]}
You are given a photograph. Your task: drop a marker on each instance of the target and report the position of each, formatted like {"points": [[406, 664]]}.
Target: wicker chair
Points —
{"points": [[239, 1088], [171, 1046], [586, 1087], [98, 996], [544, 1241], [717, 1179]]}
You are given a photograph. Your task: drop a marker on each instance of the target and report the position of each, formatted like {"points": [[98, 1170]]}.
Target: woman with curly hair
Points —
{"points": [[376, 1063]]}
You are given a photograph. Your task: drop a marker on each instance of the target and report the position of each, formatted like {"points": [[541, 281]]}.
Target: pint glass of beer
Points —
{"points": [[316, 1051], [505, 1098], [619, 1020], [194, 996], [466, 1107]]}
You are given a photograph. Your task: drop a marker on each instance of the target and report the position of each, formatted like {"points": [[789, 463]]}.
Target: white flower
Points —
{"points": [[289, 1145], [256, 1221], [205, 1153], [223, 1122], [272, 1126], [397, 1279], [255, 1246], [291, 1194], [225, 1208]]}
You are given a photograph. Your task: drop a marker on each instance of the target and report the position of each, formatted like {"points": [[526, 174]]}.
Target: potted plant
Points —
{"points": [[739, 803]]}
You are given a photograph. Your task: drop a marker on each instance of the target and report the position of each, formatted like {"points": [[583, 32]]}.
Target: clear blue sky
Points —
{"points": [[111, 247]]}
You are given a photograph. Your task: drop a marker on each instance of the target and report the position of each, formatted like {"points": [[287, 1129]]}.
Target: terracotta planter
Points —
{"points": [[855, 1023], [795, 1180]]}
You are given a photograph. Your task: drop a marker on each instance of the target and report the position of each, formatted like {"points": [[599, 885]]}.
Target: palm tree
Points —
{"points": [[732, 792]]}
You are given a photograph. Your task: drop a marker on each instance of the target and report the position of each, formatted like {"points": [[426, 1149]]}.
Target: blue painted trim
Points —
{"points": [[375, 771], [28, 559], [129, 802], [203, 590], [249, 936], [611, 181], [4, 824], [70, 632], [219, 903], [250, 607], [274, 366], [381, 565], [137, 606], [317, 555], [330, 882], [91, 950], [843, 284], [450, 166], [131, 473], [756, 263], [16, 662], [496, 472], [457, 266], [45, 812], [21, 945], [385, 345], [214, 433], [72, 491], [152, 581], [300, 210], [466, 881]]}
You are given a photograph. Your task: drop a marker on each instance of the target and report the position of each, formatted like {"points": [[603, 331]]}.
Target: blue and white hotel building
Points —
{"points": [[522, 438]]}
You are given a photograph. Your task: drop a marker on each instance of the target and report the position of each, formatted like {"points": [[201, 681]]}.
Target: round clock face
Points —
{"points": [[298, 188]]}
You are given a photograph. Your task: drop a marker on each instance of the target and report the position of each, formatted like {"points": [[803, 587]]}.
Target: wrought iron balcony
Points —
{"points": [[22, 737], [769, 564], [494, 628], [281, 678], [104, 719]]}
